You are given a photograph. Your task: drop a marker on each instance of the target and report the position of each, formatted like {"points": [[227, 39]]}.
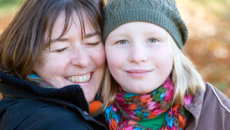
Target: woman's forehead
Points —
{"points": [[76, 25]]}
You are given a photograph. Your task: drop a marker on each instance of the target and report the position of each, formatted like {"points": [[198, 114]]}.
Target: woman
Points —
{"points": [[52, 64]]}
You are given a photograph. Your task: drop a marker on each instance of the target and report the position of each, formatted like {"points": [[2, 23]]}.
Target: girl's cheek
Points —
{"points": [[114, 64], [111, 55]]}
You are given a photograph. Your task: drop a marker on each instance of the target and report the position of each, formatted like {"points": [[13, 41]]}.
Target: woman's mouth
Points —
{"points": [[79, 79]]}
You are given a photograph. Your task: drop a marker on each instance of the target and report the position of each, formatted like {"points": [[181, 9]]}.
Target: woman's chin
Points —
{"points": [[89, 97]]}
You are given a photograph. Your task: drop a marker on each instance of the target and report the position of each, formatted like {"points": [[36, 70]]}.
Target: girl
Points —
{"points": [[153, 84]]}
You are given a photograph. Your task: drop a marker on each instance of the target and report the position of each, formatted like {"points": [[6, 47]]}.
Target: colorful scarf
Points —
{"points": [[130, 108]]}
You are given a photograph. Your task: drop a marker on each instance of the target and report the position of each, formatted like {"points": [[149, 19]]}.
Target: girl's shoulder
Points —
{"points": [[209, 109], [220, 99]]}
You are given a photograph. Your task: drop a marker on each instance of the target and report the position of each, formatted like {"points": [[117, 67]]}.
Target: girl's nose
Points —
{"points": [[80, 58], [137, 54]]}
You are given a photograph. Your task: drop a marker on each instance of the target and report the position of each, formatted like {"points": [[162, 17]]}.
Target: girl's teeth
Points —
{"points": [[78, 79]]}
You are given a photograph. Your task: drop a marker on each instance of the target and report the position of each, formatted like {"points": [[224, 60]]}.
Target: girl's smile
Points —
{"points": [[140, 59], [138, 73]]}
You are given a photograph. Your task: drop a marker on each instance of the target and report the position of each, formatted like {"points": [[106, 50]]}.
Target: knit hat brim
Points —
{"points": [[152, 16]]}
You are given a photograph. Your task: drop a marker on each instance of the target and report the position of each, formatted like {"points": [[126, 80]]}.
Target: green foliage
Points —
{"points": [[8, 6], [2, 2], [222, 86], [218, 7]]}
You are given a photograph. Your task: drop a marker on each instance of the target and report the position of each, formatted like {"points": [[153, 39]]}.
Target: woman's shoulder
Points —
{"points": [[56, 118], [34, 114]]}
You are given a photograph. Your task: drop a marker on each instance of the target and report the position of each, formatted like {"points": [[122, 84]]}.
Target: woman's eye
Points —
{"points": [[93, 44], [122, 42], [152, 40], [60, 50]]}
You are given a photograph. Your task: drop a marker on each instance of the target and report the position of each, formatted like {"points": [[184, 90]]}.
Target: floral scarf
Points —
{"points": [[130, 108]]}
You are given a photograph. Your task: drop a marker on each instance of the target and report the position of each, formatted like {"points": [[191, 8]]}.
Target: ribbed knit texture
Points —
{"points": [[163, 13], [129, 108], [71, 93]]}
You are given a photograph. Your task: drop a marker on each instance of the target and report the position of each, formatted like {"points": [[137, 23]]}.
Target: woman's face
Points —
{"points": [[139, 56], [71, 59]]}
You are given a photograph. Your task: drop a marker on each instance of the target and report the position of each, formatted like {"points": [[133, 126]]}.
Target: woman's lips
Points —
{"points": [[80, 79], [138, 73]]}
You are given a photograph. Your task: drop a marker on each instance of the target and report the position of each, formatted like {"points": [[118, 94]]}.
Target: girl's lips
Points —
{"points": [[138, 73]]}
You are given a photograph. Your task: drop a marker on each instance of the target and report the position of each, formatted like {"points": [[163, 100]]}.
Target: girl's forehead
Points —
{"points": [[138, 27]]}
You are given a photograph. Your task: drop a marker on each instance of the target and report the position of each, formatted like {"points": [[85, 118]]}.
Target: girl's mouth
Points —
{"points": [[138, 73]]}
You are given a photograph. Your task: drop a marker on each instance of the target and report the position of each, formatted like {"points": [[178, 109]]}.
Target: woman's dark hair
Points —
{"points": [[23, 40]]}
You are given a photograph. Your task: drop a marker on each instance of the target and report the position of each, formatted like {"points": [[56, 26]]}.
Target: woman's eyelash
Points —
{"points": [[93, 44], [61, 50]]}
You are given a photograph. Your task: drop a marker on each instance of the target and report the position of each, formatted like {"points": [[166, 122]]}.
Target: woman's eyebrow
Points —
{"points": [[66, 39], [60, 40], [91, 34]]}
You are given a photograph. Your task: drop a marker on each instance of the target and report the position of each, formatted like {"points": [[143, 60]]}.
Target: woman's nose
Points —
{"points": [[137, 54], [80, 58]]}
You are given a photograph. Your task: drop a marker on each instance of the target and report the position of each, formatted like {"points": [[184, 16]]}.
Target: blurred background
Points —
{"points": [[209, 41]]}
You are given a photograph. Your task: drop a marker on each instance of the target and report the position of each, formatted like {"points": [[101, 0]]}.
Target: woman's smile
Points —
{"points": [[83, 78], [72, 60]]}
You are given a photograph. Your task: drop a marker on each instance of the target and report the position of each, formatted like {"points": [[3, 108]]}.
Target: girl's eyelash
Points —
{"points": [[153, 38], [156, 40], [120, 41]]}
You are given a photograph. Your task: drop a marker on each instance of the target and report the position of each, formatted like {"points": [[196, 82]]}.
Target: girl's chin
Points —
{"points": [[142, 91]]}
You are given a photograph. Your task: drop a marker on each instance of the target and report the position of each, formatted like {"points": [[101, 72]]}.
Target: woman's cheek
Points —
{"points": [[101, 56], [97, 55]]}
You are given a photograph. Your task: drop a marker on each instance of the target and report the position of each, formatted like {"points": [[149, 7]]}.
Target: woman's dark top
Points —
{"points": [[26, 106]]}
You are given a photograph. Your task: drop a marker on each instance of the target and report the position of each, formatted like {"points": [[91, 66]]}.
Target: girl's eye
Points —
{"points": [[152, 40], [60, 50], [122, 42]]}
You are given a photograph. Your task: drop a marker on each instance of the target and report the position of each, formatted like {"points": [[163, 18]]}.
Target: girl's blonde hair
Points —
{"points": [[184, 76]]}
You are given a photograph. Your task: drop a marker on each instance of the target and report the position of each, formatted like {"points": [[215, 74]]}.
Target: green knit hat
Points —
{"points": [[163, 13]]}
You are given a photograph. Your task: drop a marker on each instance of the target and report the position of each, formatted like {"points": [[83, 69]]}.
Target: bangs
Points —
{"points": [[30, 31], [83, 8]]}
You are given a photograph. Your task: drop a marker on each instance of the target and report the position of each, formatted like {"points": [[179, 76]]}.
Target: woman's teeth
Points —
{"points": [[79, 79]]}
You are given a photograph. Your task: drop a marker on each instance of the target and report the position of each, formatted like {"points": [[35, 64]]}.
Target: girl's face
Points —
{"points": [[139, 56], [72, 60]]}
